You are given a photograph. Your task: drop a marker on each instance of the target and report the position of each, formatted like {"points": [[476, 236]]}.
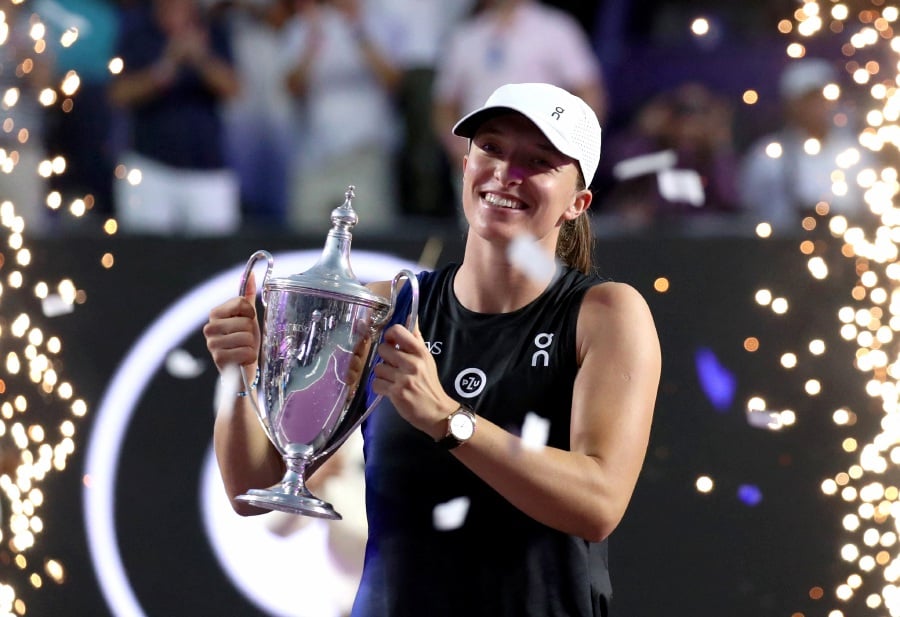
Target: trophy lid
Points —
{"points": [[332, 274]]}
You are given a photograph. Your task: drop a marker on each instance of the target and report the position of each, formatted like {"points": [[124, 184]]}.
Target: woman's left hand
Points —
{"points": [[408, 376]]}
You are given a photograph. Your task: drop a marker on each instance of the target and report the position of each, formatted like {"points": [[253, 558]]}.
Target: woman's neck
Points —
{"points": [[488, 282]]}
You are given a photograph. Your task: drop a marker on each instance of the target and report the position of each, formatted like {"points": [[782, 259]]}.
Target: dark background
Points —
{"points": [[678, 552]]}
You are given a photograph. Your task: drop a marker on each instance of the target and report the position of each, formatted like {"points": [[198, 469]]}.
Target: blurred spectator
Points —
{"points": [[784, 175], [259, 119], [342, 56], [177, 72], [512, 41], [80, 127], [24, 72], [676, 159], [423, 172]]}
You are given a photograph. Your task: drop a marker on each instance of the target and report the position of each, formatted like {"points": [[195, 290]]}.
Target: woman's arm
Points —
{"points": [[217, 74], [584, 491], [190, 49], [135, 87], [385, 71], [305, 48], [246, 457]]}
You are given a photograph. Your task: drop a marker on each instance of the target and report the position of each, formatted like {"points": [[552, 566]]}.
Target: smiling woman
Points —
{"points": [[497, 348], [538, 132]]}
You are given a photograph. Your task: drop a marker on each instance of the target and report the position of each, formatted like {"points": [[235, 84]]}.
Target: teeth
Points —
{"points": [[502, 202]]}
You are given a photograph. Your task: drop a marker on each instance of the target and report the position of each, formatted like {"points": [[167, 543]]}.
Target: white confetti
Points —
{"points": [[535, 431], [227, 387], [644, 164], [681, 185], [54, 305], [763, 418], [181, 364], [525, 254], [450, 514]]}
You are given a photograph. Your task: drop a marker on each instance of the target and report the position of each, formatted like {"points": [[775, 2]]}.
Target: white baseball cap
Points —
{"points": [[565, 120]]}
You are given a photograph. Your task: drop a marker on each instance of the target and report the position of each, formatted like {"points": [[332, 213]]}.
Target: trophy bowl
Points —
{"points": [[319, 334]]}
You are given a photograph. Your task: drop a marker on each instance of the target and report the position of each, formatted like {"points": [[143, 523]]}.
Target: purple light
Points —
{"points": [[716, 381], [749, 494]]}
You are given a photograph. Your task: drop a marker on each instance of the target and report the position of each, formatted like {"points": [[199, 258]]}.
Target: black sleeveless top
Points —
{"points": [[496, 561]]}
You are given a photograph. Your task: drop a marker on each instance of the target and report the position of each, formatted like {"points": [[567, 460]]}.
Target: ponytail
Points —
{"points": [[575, 247]]}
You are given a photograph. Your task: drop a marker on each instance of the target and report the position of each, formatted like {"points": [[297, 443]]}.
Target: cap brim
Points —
{"points": [[468, 124]]}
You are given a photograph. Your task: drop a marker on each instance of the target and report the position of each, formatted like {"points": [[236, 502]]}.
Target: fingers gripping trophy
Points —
{"points": [[319, 335]]}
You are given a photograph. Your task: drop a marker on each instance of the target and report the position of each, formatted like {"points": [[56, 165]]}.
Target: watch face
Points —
{"points": [[461, 426]]}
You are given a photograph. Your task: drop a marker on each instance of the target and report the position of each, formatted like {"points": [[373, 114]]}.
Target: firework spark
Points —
{"points": [[870, 319], [39, 409]]}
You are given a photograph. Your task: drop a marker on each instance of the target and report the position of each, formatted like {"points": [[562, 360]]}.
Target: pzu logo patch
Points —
{"points": [[470, 382]]}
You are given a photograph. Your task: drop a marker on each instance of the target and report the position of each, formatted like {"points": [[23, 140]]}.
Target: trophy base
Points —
{"points": [[306, 505]]}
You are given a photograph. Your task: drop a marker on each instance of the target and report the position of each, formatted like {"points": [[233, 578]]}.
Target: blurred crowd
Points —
{"points": [[206, 117]]}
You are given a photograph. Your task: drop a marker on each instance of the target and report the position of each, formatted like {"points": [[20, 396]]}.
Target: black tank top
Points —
{"points": [[496, 562]]}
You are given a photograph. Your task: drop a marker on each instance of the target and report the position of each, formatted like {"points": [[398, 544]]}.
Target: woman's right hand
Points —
{"points": [[232, 332]]}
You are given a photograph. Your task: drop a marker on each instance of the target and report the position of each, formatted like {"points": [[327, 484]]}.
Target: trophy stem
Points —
{"points": [[291, 494], [294, 480]]}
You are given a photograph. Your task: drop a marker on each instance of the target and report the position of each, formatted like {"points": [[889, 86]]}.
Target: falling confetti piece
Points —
{"points": [[228, 386], [450, 514], [525, 254], [54, 306], [535, 431], [762, 418], [181, 364]]}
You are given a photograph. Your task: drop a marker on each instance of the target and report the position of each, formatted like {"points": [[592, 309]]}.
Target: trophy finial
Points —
{"points": [[345, 216]]}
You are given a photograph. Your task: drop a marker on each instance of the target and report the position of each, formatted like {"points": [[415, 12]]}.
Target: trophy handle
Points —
{"points": [[410, 325], [270, 263], [395, 292]]}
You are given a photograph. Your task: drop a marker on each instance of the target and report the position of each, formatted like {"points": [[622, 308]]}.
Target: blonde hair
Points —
{"points": [[575, 246]]}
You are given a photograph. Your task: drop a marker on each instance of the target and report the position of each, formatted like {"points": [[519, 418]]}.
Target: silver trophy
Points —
{"points": [[319, 334]]}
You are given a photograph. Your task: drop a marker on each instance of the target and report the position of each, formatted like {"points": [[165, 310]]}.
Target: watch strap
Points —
{"points": [[448, 442]]}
